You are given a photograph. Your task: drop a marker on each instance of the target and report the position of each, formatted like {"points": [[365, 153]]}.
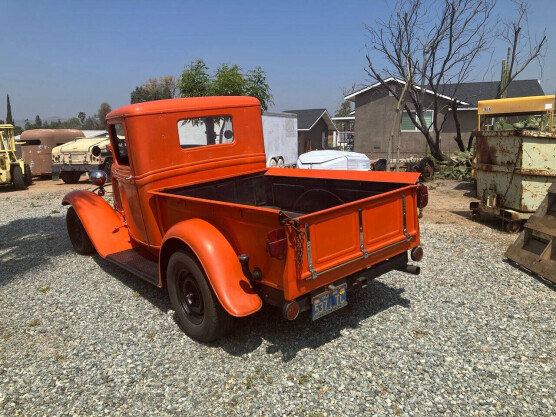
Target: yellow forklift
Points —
{"points": [[12, 169]]}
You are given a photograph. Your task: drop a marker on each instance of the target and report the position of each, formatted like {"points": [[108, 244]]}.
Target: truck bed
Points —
{"points": [[343, 222], [293, 195]]}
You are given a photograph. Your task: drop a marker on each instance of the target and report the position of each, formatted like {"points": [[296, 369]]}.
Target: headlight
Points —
{"points": [[95, 151]]}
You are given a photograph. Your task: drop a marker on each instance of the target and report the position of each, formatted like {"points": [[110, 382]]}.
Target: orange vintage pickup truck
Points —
{"points": [[197, 212]]}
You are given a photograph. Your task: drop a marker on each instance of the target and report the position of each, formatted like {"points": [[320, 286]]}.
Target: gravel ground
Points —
{"points": [[472, 335]]}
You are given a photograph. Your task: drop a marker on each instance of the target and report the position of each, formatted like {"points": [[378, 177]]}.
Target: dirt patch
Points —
{"points": [[449, 204], [44, 188]]}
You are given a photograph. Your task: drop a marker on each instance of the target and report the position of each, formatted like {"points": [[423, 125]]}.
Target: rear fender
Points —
{"points": [[104, 225], [219, 261]]}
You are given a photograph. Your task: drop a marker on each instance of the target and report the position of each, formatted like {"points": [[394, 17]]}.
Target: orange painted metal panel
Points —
{"points": [[104, 225], [336, 237]]}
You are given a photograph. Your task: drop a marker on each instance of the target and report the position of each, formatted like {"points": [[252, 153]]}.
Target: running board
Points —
{"points": [[138, 262]]}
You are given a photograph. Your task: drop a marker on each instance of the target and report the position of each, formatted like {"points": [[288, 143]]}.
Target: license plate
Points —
{"points": [[328, 301]]}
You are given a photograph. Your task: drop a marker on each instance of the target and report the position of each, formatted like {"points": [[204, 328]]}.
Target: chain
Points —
{"points": [[299, 236]]}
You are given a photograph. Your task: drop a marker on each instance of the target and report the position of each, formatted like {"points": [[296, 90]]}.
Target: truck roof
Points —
{"points": [[182, 104]]}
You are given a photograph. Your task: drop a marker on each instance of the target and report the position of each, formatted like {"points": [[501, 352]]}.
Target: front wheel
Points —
{"points": [[70, 177], [17, 178], [199, 313], [77, 234]]}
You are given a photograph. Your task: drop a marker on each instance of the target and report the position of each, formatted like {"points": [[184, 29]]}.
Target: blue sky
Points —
{"points": [[62, 57]]}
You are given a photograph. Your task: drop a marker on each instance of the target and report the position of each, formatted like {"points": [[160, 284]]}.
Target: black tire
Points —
{"points": [[512, 226], [380, 165], [426, 167], [27, 176], [70, 177], [77, 234], [412, 167], [198, 310], [17, 178]]}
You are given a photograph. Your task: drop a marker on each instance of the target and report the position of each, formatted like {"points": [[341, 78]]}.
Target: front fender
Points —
{"points": [[104, 225], [220, 263]]}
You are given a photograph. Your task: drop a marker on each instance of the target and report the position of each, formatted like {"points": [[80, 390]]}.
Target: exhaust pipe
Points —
{"points": [[410, 269]]}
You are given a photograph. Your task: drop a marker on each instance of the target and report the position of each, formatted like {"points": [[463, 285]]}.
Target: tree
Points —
{"points": [[438, 45], [228, 80], [81, 116], [102, 112], [428, 51], [256, 86], [155, 89], [344, 110], [91, 123], [38, 122], [9, 118], [195, 80]]}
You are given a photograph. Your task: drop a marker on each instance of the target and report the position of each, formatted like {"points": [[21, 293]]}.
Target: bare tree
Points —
{"points": [[523, 48], [440, 43]]}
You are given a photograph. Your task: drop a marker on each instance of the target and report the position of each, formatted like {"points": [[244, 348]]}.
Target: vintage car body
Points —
{"points": [[38, 144], [196, 211], [82, 155]]}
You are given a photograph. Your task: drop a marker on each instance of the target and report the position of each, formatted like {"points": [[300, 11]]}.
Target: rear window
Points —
{"points": [[205, 131]]}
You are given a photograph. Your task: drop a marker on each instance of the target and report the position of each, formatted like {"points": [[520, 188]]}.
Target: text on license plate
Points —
{"points": [[329, 301]]}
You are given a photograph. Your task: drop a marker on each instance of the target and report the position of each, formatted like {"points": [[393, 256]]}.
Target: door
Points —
{"points": [[123, 179]]}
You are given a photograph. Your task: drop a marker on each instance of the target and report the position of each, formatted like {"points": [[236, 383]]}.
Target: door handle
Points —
{"points": [[128, 178]]}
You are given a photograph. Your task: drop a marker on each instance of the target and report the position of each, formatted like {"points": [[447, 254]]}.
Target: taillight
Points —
{"points": [[277, 243], [417, 253], [422, 196], [290, 310]]}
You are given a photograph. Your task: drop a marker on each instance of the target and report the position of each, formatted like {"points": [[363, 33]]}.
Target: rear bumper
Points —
{"points": [[276, 298]]}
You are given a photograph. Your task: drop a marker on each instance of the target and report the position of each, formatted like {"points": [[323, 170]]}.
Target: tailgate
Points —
{"points": [[345, 239]]}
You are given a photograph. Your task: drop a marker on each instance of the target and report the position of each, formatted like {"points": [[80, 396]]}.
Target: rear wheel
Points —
{"points": [[17, 178], [512, 226], [199, 313], [77, 234], [280, 163], [426, 167], [27, 176], [273, 163], [70, 177]]}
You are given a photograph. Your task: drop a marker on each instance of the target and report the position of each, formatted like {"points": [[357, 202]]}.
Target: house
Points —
{"points": [[313, 128], [375, 110]]}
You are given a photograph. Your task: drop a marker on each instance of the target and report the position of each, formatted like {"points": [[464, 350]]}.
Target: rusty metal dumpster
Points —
{"points": [[513, 168]]}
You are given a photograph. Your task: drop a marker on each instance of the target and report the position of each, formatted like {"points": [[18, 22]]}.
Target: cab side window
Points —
{"points": [[119, 143], [204, 131]]}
